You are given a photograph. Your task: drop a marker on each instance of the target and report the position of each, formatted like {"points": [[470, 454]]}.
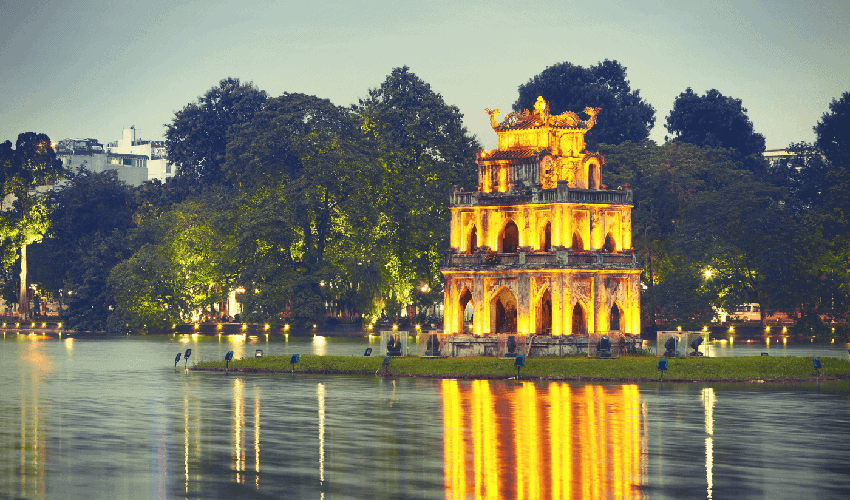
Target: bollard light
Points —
{"points": [[227, 359], [368, 351], [519, 362], [293, 360], [662, 367], [186, 356], [176, 360]]}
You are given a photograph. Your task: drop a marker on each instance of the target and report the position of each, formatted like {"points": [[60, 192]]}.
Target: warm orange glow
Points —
{"points": [[554, 235], [520, 442]]}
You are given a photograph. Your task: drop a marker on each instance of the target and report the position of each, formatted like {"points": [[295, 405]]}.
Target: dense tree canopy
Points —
{"points": [[423, 149], [91, 215], [625, 115], [714, 121], [196, 139], [308, 192]]}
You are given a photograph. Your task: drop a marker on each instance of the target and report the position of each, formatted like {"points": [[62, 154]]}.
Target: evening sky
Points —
{"points": [[90, 68]]}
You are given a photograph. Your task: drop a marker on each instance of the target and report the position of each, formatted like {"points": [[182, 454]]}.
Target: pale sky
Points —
{"points": [[90, 68]]}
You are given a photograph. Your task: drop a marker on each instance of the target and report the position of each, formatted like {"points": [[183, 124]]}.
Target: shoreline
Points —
{"points": [[751, 370]]}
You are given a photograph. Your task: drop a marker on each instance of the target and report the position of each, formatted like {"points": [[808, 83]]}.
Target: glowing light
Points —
{"points": [[679, 328], [267, 326], [244, 326], [708, 273], [784, 329], [196, 326], [286, 326], [784, 340], [705, 328], [767, 329], [395, 327]]}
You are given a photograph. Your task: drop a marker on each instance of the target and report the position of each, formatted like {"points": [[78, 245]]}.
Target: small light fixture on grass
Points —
{"points": [[294, 360], [259, 353], [186, 356], [385, 364], [227, 359], [662, 367], [519, 362], [368, 351], [818, 366], [176, 360]]}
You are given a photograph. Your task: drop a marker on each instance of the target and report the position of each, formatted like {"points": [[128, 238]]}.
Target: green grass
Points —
{"points": [[572, 368]]}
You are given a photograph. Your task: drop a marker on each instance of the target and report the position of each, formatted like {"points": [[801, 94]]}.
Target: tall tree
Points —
{"points": [[567, 87], [31, 164], [423, 149], [715, 121], [310, 191], [196, 139], [90, 216]]}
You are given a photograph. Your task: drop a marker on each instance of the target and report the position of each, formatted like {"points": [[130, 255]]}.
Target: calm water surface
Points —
{"points": [[113, 419]]}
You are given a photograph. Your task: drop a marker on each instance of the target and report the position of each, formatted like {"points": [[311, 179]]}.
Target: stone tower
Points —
{"points": [[542, 248]]}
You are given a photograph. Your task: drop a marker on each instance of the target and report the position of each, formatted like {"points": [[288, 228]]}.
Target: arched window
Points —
{"points": [[578, 243], [593, 176], [547, 238], [616, 318], [510, 240], [473, 240], [546, 313], [610, 243]]}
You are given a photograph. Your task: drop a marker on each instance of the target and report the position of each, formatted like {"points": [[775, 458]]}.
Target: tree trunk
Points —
{"points": [[23, 299]]}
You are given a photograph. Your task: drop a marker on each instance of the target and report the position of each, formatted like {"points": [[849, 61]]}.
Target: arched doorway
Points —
{"points": [[578, 243], [473, 240], [545, 320], [503, 316], [546, 240], [617, 319], [465, 303], [579, 320], [510, 238]]}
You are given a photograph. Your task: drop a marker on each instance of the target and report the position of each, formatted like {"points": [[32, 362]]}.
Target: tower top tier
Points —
{"points": [[551, 145]]}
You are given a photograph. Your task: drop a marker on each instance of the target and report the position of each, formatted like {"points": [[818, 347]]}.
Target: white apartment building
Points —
{"points": [[157, 165]]}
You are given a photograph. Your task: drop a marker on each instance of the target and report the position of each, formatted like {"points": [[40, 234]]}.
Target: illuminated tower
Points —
{"points": [[542, 247]]}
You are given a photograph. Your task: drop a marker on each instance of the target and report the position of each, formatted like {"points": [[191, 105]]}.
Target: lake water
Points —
{"points": [[112, 418]]}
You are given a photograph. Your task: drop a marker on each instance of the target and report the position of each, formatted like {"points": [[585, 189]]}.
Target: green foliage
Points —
{"points": [[91, 215], [184, 261], [625, 115], [196, 138], [714, 121], [423, 149], [308, 204]]}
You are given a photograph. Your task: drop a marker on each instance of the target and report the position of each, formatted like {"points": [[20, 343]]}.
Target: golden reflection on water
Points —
{"points": [[521, 441]]}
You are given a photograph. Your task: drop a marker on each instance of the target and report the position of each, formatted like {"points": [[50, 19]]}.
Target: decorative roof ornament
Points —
{"points": [[542, 117]]}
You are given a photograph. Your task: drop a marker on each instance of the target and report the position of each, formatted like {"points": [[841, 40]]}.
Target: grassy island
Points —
{"points": [[626, 369]]}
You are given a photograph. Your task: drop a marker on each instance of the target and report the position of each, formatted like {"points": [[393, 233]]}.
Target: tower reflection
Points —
{"points": [[522, 441]]}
